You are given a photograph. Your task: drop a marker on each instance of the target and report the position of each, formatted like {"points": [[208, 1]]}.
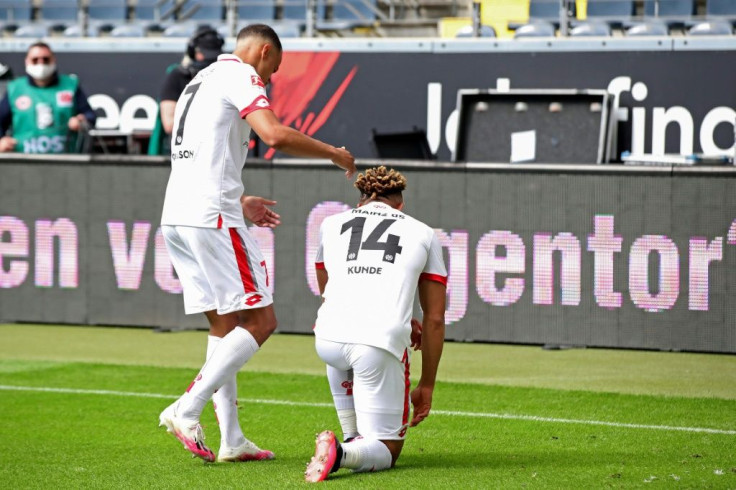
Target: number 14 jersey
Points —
{"points": [[374, 256], [209, 144]]}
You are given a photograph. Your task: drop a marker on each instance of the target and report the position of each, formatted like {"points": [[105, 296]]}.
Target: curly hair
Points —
{"points": [[379, 182]]}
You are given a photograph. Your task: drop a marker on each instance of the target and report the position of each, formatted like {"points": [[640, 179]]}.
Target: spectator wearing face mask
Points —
{"points": [[44, 110]]}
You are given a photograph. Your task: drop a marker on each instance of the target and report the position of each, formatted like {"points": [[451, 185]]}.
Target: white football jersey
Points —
{"points": [[375, 256], [209, 144]]}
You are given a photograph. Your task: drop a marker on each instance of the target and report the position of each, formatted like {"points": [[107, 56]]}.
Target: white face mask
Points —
{"points": [[40, 72]]}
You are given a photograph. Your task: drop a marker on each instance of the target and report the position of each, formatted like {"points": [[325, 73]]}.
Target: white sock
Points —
{"points": [[365, 455], [341, 386], [234, 350], [225, 401]]}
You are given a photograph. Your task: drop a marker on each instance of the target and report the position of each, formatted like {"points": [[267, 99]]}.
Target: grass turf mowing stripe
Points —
{"points": [[503, 416]]}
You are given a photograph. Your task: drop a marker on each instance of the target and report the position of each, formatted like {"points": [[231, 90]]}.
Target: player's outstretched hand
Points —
{"points": [[256, 210], [421, 399], [416, 334], [346, 161]]}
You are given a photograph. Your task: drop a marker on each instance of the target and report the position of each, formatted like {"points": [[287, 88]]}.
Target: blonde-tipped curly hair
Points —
{"points": [[378, 182]]}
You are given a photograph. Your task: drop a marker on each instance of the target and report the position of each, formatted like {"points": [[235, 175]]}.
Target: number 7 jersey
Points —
{"points": [[374, 256], [209, 144]]}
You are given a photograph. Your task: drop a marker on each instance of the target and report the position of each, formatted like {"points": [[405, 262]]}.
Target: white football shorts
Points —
{"points": [[380, 386], [219, 268]]}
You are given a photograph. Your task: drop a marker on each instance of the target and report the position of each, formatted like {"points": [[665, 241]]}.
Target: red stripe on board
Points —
{"points": [[242, 258], [319, 265], [424, 276]]}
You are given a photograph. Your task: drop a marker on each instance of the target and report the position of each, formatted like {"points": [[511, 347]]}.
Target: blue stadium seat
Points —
{"points": [[617, 10], [180, 29], [720, 8], [36, 31], [682, 9], [711, 28], [113, 10], [358, 10], [297, 10], [93, 30], [467, 31], [593, 29], [128, 30], [648, 29], [548, 10], [535, 29], [15, 10], [256, 10], [203, 10], [60, 10], [150, 10]]}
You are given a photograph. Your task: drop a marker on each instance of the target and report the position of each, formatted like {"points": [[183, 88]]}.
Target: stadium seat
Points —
{"points": [[354, 10], [614, 13], [211, 10], [297, 10], [112, 10], [535, 29], [616, 10], [256, 10], [62, 11], [711, 28], [128, 30], [186, 29], [154, 10], [648, 29], [601, 29], [720, 8], [549, 10], [467, 31], [93, 30], [37, 31], [15, 11], [677, 9]]}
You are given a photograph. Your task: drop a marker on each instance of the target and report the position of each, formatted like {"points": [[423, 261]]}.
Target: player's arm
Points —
{"points": [[432, 298], [322, 279], [167, 108], [288, 140]]}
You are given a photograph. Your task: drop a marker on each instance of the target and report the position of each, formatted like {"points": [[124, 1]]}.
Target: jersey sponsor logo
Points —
{"points": [[45, 144], [253, 299], [182, 155], [64, 98], [365, 270], [348, 385], [23, 103], [256, 80]]}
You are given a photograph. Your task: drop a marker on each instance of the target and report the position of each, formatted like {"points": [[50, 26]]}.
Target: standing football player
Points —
{"points": [[370, 263], [222, 271]]}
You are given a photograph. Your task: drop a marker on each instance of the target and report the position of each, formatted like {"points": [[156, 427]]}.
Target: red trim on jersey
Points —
{"points": [[319, 265], [425, 276], [407, 385], [219, 221], [255, 106], [242, 258]]}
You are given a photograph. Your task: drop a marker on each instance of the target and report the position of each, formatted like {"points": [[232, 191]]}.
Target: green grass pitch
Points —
{"points": [[79, 409]]}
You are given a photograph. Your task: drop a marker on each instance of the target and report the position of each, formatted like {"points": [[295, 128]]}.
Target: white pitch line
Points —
{"points": [[504, 416]]}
